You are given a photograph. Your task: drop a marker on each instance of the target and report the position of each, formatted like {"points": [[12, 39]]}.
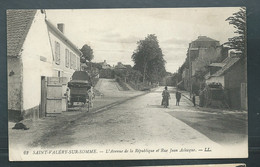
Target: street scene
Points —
{"points": [[131, 88], [140, 119]]}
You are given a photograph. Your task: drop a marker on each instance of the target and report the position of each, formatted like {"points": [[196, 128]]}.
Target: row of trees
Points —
{"points": [[129, 74]]}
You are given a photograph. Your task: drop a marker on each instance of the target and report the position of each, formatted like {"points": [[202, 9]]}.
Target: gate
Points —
{"points": [[56, 100]]}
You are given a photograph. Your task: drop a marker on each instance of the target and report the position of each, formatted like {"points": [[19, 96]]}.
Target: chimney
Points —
{"points": [[60, 26]]}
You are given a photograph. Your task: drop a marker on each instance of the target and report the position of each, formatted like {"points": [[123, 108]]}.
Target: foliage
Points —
{"points": [[148, 59], [238, 20], [128, 74], [87, 53]]}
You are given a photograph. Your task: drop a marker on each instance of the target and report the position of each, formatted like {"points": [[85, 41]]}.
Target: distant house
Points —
{"points": [[120, 66], [105, 65], [233, 77], [35, 49]]}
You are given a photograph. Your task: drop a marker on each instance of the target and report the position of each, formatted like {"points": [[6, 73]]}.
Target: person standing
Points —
{"points": [[194, 99], [178, 98], [166, 96]]}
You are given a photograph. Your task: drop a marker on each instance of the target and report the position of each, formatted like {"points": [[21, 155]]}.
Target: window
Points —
{"points": [[57, 52], [78, 63], [73, 62], [67, 58]]}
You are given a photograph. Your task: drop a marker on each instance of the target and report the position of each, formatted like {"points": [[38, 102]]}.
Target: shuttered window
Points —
{"points": [[78, 63], [73, 61], [67, 58], [57, 52]]}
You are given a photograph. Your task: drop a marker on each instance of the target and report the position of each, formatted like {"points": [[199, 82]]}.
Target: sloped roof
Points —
{"points": [[18, 25], [205, 38], [217, 64], [60, 34], [120, 66], [229, 62]]}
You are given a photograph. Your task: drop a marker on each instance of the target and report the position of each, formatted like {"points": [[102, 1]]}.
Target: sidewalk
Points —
{"points": [[186, 94]]}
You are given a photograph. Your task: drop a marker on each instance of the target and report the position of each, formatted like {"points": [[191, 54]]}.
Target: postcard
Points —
{"points": [[121, 84]]}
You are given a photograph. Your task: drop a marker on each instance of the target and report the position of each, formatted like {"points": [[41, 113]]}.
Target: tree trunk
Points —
{"points": [[145, 64]]}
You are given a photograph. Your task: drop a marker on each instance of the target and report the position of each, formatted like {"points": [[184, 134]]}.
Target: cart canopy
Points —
{"points": [[81, 75], [80, 79]]}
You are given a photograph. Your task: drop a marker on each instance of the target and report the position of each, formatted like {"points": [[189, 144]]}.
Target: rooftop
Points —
{"points": [[217, 65], [18, 25], [57, 31], [205, 38], [229, 62]]}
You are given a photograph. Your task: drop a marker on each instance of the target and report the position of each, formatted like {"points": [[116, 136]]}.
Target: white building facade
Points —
{"points": [[34, 50]]}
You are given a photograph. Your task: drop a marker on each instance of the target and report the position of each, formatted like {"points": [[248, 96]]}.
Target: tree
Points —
{"points": [[87, 53], [148, 59], [238, 20]]}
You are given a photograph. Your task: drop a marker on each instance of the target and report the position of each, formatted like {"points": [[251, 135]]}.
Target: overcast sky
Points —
{"points": [[113, 33]]}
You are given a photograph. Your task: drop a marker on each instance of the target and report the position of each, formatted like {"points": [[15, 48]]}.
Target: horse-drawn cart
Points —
{"points": [[79, 88]]}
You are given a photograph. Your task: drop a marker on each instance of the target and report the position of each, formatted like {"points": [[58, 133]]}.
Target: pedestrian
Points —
{"points": [[166, 96], [90, 97], [178, 98], [194, 99]]}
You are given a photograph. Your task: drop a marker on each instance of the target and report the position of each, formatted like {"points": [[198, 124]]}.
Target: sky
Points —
{"points": [[113, 33]]}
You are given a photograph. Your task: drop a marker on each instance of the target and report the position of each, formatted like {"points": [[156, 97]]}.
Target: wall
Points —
{"points": [[64, 71], [206, 57], [186, 79], [14, 83], [37, 62], [233, 79], [14, 88]]}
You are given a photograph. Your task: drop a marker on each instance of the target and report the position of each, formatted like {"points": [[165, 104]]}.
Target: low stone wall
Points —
{"points": [[18, 115]]}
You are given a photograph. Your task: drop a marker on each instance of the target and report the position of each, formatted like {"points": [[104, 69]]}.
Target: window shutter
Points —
{"points": [[57, 52]]}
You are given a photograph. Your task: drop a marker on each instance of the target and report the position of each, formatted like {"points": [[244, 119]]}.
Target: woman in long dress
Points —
{"points": [[166, 96]]}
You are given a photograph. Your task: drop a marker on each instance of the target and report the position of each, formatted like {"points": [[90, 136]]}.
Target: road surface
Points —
{"points": [[140, 121]]}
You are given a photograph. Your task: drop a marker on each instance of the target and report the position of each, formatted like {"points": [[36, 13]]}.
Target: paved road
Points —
{"points": [[224, 127], [142, 121]]}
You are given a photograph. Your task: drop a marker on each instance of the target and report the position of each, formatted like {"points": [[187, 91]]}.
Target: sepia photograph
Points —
{"points": [[127, 84]]}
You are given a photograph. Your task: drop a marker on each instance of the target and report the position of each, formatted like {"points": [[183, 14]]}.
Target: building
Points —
{"points": [[35, 49], [105, 65], [201, 53], [185, 79], [66, 54], [205, 51], [120, 66], [233, 77]]}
